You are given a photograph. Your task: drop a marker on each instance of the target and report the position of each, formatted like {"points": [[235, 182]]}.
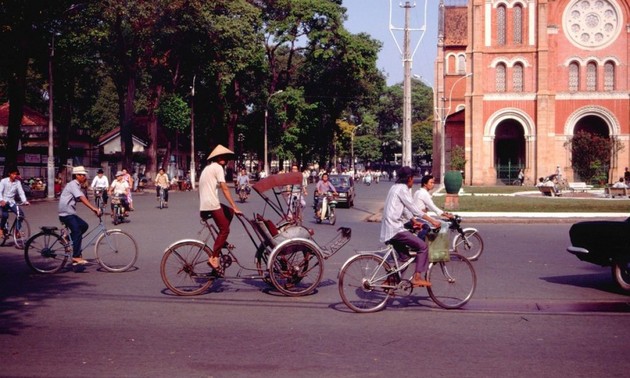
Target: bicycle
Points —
{"points": [[99, 197], [162, 202], [20, 235], [467, 242], [367, 280], [48, 251], [286, 257]]}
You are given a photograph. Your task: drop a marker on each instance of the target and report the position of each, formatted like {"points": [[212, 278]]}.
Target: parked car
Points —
{"points": [[345, 187], [605, 243]]}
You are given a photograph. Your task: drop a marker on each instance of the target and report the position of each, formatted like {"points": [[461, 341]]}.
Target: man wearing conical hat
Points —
{"points": [[212, 178]]}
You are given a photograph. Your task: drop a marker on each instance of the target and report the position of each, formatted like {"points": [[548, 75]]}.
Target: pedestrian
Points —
{"points": [[212, 178], [72, 193]]}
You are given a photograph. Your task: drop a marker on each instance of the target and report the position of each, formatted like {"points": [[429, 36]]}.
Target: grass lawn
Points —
{"points": [[534, 203]]}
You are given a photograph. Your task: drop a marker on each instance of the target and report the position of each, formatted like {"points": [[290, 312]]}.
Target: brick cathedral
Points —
{"points": [[516, 79]]}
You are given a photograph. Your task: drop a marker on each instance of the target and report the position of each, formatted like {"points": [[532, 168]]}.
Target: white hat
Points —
{"points": [[119, 173], [79, 170], [219, 150]]}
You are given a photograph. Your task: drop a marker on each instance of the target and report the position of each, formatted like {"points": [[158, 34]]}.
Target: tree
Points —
{"points": [[591, 155]]}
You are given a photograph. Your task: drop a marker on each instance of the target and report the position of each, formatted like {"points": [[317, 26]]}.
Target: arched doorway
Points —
{"points": [[509, 150], [591, 149]]}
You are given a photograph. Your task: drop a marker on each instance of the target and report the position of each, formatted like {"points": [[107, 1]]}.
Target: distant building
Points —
{"points": [[542, 70]]}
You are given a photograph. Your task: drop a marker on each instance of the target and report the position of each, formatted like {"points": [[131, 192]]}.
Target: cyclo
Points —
{"points": [[286, 256]]}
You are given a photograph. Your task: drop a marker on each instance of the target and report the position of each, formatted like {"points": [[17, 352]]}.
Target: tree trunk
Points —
{"points": [[126, 128], [152, 165], [17, 97]]}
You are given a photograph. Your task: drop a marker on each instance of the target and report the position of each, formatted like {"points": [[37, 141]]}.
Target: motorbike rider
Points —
{"points": [[323, 186], [242, 182], [120, 188]]}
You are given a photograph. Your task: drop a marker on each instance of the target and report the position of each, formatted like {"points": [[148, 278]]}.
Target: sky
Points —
{"points": [[373, 17]]}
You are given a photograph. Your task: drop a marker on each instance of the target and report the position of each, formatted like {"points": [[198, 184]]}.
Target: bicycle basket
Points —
{"points": [[115, 200]]}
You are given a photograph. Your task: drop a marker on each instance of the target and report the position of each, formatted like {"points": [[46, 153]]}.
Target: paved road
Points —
{"points": [[538, 310]]}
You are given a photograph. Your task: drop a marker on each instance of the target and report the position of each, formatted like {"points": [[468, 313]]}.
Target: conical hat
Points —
{"points": [[219, 150]]}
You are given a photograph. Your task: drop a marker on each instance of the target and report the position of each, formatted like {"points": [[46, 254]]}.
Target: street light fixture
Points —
{"points": [[266, 119], [443, 116]]}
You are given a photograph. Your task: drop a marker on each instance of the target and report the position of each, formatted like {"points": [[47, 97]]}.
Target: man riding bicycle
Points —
{"points": [[100, 183], [399, 208], [68, 212], [162, 181], [242, 181], [9, 187]]}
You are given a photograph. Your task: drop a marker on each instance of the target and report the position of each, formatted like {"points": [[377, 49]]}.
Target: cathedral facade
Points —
{"points": [[517, 79]]}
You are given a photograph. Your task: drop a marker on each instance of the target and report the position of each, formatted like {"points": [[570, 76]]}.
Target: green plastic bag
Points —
{"points": [[438, 247]]}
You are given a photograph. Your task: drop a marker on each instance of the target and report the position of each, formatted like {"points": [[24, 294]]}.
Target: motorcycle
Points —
{"points": [[118, 209], [243, 192], [605, 243], [327, 209]]}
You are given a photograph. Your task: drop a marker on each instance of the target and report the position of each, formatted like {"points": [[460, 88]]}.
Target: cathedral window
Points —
{"points": [[500, 78], [501, 25], [591, 77], [574, 77], [518, 25], [517, 78], [461, 64], [609, 76]]}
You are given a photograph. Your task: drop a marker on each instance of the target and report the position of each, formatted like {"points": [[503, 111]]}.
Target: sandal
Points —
{"points": [[79, 261], [218, 269]]}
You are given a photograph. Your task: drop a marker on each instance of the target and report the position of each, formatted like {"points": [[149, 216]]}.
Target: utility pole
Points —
{"points": [[193, 172], [407, 57], [406, 142]]}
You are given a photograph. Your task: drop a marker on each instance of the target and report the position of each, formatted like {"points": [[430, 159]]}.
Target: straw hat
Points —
{"points": [[219, 150], [79, 170]]}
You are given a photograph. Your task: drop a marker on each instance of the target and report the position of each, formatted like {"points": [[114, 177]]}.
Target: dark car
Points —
{"points": [[605, 243], [345, 187]]}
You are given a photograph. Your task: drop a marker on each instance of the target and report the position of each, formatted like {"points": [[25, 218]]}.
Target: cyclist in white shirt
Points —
{"points": [[9, 187], [120, 188], [100, 182], [422, 197]]}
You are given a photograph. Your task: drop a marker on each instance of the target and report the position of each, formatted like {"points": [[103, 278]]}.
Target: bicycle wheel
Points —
{"points": [[97, 201], [361, 281], [45, 253], [116, 251], [452, 283], [184, 268], [470, 245], [21, 236], [296, 268]]}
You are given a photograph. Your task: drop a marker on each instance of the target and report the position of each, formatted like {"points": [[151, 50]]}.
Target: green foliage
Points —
{"points": [[590, 155], [458, 158], [174, 113], [422, 138]]}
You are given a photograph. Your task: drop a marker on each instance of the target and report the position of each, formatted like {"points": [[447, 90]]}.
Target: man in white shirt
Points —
{"points": [[100, 183], [399, 208], [620, 184], [212, 178], [9, 187], [120, 188]]}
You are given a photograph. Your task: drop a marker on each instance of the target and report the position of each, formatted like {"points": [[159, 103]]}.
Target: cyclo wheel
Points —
{"points": [[116, 251], [296, 267], [24, 234], [361, 283], [184, 268], [45, 253], [453, 283], [470, 245]]}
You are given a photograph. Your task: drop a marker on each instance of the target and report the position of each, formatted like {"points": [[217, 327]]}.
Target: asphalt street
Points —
{"points": [[537, 310]]}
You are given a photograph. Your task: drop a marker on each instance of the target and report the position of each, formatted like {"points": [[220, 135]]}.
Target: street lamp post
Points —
{"points": [[193, 171], [266, 120], [443, 115]]}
